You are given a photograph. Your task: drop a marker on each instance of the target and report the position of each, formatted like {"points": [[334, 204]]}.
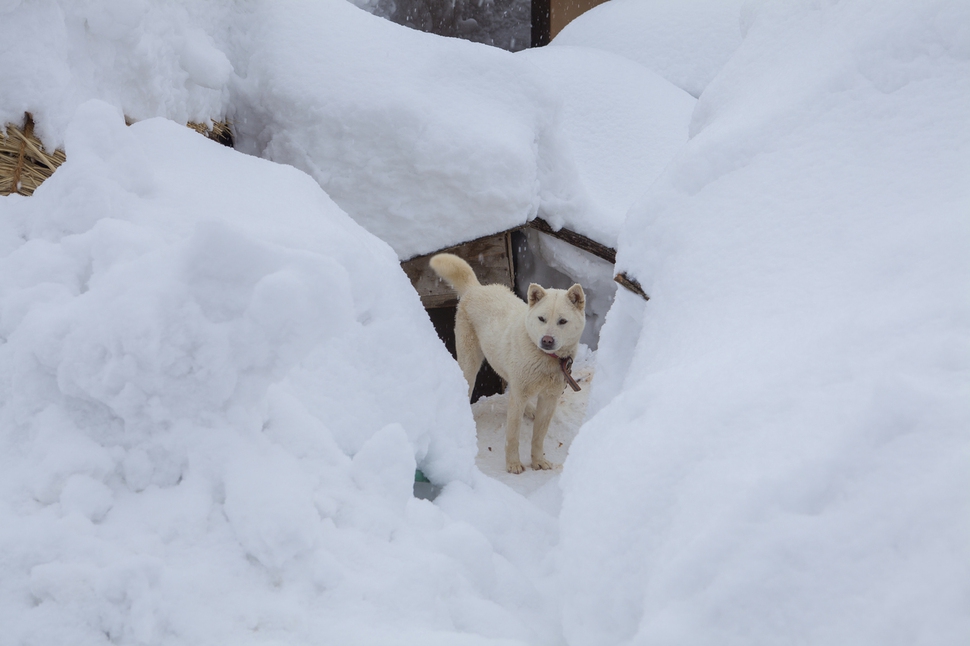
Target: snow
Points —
{"points": [[216, 382], [482, 128], [206, 436], [622, 122], [472, 122], [785, 421], [685, 41], [150, 59]]}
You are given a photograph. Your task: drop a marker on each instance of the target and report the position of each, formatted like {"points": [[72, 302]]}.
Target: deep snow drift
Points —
{"points": [[782, 438], [205, 435]]}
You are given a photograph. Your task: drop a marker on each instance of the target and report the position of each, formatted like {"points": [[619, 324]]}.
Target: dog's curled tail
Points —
{"points": [[456, 271]]}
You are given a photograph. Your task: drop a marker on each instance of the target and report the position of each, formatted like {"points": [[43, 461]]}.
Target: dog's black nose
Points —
{"points": [[547, 342]]}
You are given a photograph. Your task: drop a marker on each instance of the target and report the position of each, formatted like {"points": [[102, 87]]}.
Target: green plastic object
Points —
{"points": [[423, 488]]}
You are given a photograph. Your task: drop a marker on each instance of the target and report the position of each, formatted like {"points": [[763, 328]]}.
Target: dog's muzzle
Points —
{"points": [[547, 342]]}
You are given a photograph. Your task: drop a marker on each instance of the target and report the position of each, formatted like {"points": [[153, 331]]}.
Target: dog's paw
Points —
{"points": [[514, 467], [543, 463]]}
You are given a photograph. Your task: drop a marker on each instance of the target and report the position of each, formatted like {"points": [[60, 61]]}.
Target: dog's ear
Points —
{"points": [[535, 294], [577, 297]]}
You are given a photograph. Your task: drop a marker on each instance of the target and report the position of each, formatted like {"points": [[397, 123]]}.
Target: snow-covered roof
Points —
{"points": [[425, 141]]}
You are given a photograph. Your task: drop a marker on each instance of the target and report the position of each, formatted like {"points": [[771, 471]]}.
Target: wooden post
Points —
{"points": [[541, 16]]}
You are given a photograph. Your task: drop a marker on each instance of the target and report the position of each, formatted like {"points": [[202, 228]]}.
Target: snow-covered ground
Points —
{"points": [[216, 382]]}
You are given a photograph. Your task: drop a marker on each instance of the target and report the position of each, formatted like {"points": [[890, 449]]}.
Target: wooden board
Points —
{"points": [[490, 257]]}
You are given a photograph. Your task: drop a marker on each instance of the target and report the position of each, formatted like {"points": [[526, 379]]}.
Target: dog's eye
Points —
{"points": [[563, 321], [542, 319]]}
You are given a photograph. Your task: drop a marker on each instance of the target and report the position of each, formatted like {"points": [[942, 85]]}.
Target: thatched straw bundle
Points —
{"points": [[24, 163], [220, 131]]}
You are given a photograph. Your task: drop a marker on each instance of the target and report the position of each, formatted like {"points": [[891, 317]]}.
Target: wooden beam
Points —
{"points": [[576, 239], [631, 284]]}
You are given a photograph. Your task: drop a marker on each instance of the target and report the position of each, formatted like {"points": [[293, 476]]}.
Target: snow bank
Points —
{"points": [[779, 453], [685, 41], [215, 388], [622, 123]]}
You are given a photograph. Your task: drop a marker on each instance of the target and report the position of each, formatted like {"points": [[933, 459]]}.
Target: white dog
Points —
{"points": [[530, 346]]}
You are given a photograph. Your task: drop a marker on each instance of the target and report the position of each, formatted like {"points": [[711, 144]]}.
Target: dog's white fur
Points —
{"points": [[493, 323]]}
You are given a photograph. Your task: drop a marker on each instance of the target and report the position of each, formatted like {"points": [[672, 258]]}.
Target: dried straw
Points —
{"points": [[24, 163], [220, 131]]}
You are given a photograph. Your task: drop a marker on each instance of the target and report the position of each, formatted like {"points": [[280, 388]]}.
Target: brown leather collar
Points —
{"points": [[566, 365]]}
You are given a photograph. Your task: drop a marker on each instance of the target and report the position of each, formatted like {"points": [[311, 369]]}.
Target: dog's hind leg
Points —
{"points": [[545, 407], [470, 355]]}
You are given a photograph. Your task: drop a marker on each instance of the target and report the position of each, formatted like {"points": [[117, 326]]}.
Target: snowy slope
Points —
{"points": [[780, 444]]}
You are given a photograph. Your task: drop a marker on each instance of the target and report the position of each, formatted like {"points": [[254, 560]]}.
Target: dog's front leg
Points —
{"points": [[517, 401], [545, 407]]}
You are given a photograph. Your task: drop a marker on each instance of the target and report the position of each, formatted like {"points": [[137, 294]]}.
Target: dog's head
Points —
{"points": [[556, 317]]}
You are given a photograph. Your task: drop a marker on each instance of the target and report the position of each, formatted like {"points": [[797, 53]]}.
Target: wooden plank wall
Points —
{"points": [[490, 257]]}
